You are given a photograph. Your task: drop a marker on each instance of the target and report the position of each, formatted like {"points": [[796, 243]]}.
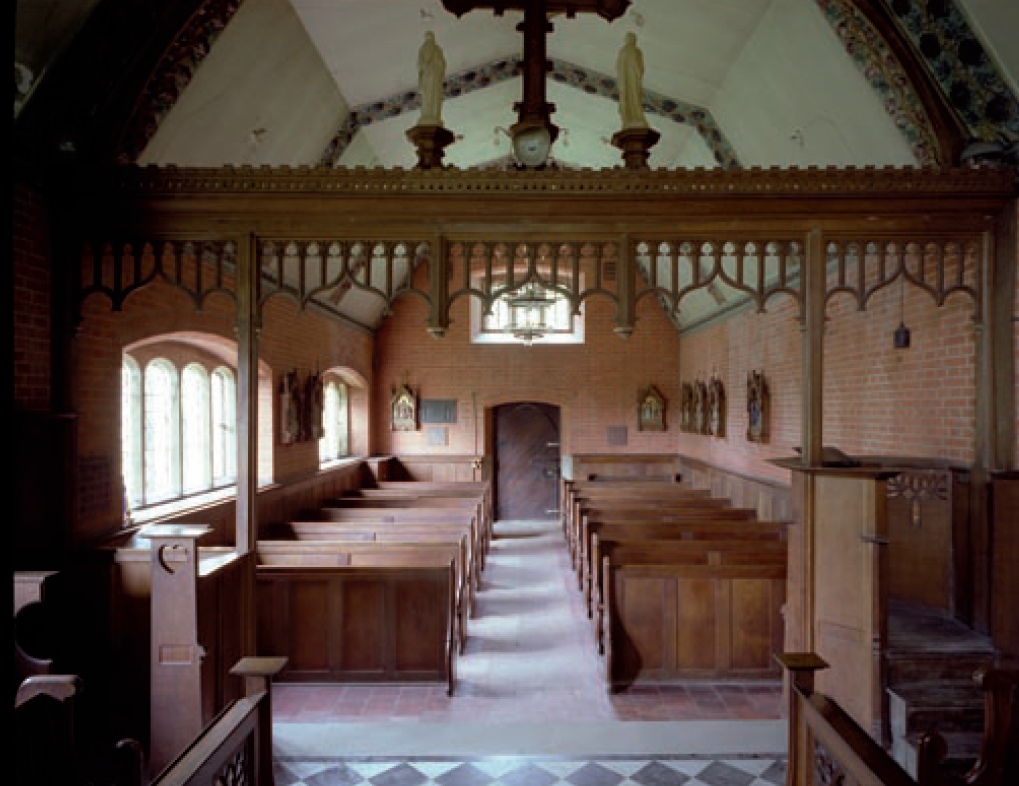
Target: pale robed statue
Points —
{"points": [[431, 75], [630, 76]]}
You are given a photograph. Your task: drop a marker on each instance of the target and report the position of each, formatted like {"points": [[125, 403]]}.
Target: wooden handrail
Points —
{"points": [[823, 737], [236, 747]]}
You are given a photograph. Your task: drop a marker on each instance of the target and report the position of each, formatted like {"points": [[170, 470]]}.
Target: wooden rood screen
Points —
{"points": [[619, 238]]}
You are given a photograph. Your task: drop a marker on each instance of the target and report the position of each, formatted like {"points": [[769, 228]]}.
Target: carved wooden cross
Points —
{"points": [[534, 111]]}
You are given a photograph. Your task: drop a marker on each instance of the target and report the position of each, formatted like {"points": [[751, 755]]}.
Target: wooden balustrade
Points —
{"points": [[826, 746]]}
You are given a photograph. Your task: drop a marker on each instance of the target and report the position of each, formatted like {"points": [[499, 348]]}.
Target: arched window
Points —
{"points": [[335, 441], [162, 431], [224, 427], [196, 439], [131, 433], [178, 428]]}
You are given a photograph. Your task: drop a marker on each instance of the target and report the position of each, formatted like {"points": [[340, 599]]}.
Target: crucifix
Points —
{"points": [[534, 132]]}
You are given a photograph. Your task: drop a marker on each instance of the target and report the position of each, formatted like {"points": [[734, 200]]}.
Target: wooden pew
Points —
{"points": [[678, 621], [643, 492], [366, 499], [359, 611], [482, 488], [678, 514], [418, 515], [694, 529], [440, 531], [620, 506], [725, 547]]}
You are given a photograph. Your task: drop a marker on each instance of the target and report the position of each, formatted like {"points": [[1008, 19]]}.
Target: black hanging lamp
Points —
{"points": [[900, 339]]}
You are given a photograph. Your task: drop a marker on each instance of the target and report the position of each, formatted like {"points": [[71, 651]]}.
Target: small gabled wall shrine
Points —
{"points": [[651, 410], [702, 407], [404, 405]]}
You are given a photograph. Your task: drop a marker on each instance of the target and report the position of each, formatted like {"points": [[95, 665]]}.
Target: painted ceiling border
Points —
{"points": [[584, 79]]}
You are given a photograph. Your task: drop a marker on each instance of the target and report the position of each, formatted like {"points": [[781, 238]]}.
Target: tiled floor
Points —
{"points": [[530, 706]]}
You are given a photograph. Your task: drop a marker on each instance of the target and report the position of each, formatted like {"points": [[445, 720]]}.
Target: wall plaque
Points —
{"points": [[437, 410]]}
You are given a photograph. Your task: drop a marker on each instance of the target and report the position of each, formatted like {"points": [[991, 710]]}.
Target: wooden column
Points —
{"points": [[248, 327], [799, 668], [438, 288], [799, 608], [1001, 322], [625, 285], [811, 438], [257, 674]]}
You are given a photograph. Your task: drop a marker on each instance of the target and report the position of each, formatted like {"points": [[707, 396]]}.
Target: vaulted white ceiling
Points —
{"points": [[747, 82]]}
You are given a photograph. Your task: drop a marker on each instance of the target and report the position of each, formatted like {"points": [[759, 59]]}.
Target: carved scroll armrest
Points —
{"points": [[61, 687]]}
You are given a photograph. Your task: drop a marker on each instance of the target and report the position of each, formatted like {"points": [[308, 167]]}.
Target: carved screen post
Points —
{"points": [[758, 407], [404, 409], [651, 410]]}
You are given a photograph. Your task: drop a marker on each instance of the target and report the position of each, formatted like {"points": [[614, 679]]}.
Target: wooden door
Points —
{"points": [[526, 461]]}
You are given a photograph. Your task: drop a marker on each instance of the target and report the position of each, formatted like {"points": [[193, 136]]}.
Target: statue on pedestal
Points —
{"points": [[630, 76], [431, 76]]}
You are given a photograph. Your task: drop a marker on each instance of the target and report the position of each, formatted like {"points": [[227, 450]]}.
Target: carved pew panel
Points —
{"points": [[666, 623]]}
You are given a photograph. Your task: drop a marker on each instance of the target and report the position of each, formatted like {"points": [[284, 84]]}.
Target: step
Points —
{"points": [[912, 668], [963, 749], [936, 706], [954, 709]]}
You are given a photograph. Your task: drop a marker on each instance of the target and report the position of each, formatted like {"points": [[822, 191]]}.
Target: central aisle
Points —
{"points": [[530, 649], [529, 684]]}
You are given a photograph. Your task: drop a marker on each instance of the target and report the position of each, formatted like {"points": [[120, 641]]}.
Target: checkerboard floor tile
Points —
{"points": [[749, 770]]}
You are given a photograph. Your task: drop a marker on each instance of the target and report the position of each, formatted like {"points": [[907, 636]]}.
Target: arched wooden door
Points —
{"points": [[526, 461]]}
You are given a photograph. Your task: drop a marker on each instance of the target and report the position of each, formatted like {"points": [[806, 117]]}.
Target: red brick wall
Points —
{"points": [[877, 400], [289, 340], [767, 343], [307, 342], [909, 402], [595, 384], [30, 314]]}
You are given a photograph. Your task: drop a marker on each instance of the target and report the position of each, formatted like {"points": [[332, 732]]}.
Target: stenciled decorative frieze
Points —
{"points": [[702, 183]]}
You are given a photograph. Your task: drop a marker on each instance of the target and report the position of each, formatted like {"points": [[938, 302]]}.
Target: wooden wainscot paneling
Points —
{"points": [[435, 468], [772, 500], [669, 623], [355, 624], [594, 466], [1005, 569]]}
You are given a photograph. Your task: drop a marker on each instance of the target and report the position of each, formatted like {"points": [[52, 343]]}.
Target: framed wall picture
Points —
{"points": [[404, 404], [758, 407], [651, 410]]}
